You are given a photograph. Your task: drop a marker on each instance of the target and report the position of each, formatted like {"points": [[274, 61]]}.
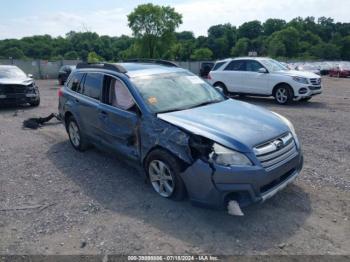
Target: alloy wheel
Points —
{"points": [[74, 135], [161, 178], [282, 95]]}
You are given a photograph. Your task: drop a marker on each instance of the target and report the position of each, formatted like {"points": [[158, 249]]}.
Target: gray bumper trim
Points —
{"points": [[278, 188]]}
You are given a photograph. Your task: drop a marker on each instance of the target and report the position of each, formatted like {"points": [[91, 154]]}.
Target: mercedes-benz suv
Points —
{"points": [[260, 76]]}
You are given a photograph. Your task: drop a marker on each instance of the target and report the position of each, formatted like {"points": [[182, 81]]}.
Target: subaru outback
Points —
{"points": [[189, 138]]}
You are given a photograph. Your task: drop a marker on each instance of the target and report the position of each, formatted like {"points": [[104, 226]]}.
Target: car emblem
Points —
{"points": [[278, 144]]}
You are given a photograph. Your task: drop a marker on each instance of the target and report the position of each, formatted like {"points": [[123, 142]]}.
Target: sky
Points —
{"points": [[19, 18]]}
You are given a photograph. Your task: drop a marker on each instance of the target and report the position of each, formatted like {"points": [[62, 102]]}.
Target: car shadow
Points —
{"points": [[117, 186], [267, 101]]}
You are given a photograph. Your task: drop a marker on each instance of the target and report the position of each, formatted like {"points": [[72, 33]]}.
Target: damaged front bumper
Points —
{"points": [[214, 186], [16, 99]]}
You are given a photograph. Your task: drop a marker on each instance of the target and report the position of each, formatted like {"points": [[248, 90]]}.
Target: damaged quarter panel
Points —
{"points": [[155, 132]]}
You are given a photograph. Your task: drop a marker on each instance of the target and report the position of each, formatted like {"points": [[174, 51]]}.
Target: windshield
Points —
{"points": [[175, 91], [11, 72], [273, 65]]}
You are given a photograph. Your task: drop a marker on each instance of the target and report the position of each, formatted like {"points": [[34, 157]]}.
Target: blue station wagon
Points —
{"points": [[189, 138]]}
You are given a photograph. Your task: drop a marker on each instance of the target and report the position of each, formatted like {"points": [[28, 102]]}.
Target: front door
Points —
{"points": [[118, 118], [254, 81]]}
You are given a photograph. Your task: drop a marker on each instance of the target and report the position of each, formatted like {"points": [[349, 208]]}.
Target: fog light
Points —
{"points": [[303, 90]]}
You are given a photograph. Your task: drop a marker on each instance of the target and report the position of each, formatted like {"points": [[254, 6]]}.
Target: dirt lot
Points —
{"points": [[92, 202]]}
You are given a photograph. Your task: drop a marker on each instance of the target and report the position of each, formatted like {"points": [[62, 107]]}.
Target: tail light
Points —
{"points": [[60, 92]]}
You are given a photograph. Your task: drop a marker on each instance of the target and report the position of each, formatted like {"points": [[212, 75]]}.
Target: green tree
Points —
{"points": [[241, 48], [273, 25], [276, 48], [94, 58], [71, 55], [290, 38], [345, 48], [202, 54], [13, 52], [153, 23], [250, 30], [325, 51]]}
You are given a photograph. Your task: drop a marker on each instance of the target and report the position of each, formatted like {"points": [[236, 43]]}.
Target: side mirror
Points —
{"points": [[262, 70], [30, 75]]}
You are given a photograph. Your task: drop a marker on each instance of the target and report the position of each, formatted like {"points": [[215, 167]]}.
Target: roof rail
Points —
{"points": [[109, 66], [152, 61]]}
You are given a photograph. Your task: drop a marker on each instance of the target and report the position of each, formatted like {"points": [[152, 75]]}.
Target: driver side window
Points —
{"points": [[117, 94], [253, 66]]}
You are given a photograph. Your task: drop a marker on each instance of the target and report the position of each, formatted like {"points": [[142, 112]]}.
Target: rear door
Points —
{"points": [[88, 105], [118, 117], [255, 82], [232, 76]]}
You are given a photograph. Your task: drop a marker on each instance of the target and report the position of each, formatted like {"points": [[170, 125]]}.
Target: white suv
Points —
{"points": [[264, 77]]}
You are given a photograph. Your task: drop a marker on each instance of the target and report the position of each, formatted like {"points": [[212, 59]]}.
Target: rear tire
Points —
{"points": [[163, 171], [223, 87], [283, 94], [76, 138]]}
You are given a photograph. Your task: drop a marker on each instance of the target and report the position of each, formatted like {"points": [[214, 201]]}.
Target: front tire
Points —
{"points": [[283, 95], [163, 171], [76, 138]]}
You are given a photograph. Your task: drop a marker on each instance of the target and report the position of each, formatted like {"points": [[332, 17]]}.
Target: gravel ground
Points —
{"points": [[55, 200]]}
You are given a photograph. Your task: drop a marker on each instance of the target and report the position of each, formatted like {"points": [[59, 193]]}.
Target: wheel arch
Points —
{"points": [[183, 164], [282, 84], [66, 116], [219, 83]]}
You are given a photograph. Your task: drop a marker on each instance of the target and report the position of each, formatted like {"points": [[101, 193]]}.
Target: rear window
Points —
{"points": [[217, 66], [93, 85], [75, 82]]}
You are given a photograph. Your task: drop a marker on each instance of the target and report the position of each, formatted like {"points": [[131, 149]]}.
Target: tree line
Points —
{"points": [[155, 36]]}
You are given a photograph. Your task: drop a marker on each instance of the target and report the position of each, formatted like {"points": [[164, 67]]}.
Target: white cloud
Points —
{"points": [[105, 22], [198, 16]]}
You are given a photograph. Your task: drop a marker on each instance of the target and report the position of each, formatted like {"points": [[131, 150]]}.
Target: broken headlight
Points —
{"points": [[227, 157]]}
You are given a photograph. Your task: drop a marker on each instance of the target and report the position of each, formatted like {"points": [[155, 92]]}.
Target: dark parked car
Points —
{"points": [[205, 69], [64, 73], [16, 87], [186, 134]]}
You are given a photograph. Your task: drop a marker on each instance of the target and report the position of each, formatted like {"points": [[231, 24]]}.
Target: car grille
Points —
{"points": [[276, 152], [315, 81], [13, 89]]}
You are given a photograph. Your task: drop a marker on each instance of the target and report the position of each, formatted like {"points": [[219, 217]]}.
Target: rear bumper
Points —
{"points": [[214, 186]]}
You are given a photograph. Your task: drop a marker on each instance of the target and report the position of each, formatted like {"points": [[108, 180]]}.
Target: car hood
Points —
{"points": [[16, 81], [305, 74], [235, 124]]}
